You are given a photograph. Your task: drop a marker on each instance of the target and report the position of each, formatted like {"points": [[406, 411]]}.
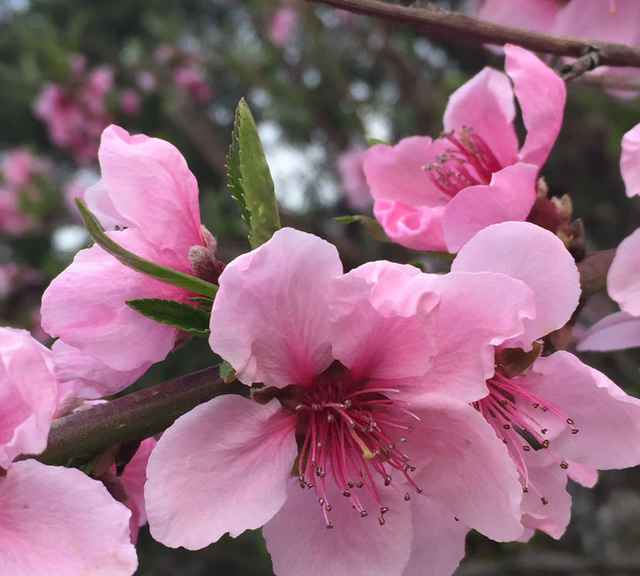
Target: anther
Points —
{"points": [[544, 500], [364, 513], [351, 484], [405, 458], [574, 431], [536, 405], [319, 444], [526, 448], [329, 526], [346, 494], [564, 465], [330, 418], [570, 422], [362, 472], [506, 426], [545, 443], [544, 408], [359, 484], [403, 439], [314, 407], [407, 497], [409, 428], [384, 510], [381, 521], [418, 490], [387, 480], [525, 489], [328, 507], [321, 501], [543, 431]]}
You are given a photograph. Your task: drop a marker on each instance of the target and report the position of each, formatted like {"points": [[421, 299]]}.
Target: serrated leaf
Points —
{"points": [[371, 225], [157, 271], [250, 179], [227, 373], [176, 314]]}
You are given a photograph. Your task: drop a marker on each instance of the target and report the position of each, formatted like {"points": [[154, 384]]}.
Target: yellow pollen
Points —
{"points": [[366, 453]]}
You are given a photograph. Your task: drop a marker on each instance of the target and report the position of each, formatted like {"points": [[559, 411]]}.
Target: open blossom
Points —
{"points": [[436, 194], [54, 519], [558, 417], [148, 199], [358, 428]]}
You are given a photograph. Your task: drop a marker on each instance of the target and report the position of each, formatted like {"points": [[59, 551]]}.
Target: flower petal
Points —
{"points": [[300, 543], [623, 278], [28, 395], [529, 14], [537, 257], [464, 465], [58, 521], [509, 196], [485, 104], [85, 307], [223, 467], [419, 227], [269, 318], [438, 539], [616, 331], [150, 185], [541, 96], [630, 161], [383, 321]]}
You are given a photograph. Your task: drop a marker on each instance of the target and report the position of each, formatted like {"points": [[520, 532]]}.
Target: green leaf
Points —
{"points": [[177, 314], [157, 271], [371, 225], [371, 141], [227, 373], [250, 178]]}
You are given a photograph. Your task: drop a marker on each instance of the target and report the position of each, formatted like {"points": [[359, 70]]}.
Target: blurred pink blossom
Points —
{"points": [[192, 81], [353, 178], [282, 25], [436, 194], [129, 102]]}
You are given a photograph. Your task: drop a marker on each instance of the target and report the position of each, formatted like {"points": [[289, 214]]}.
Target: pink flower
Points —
{"points": [[630, 161], [576, 419], [192, 81], [353, 178], [12, 220], [536, 15], [147, 188], [358, 400], [436, 194], [55, 519], [18, 166], [281, 26], [620, 330], [130, 102]]}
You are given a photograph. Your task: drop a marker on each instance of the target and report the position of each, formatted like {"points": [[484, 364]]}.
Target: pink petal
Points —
{"points": [[553, 517], [509, 196], [623, 278], [541, 96], [85, 307], [438, 540], [398, 173], [538, 258], [616, 331], [485, 104], [383, 321], [28, 395], [465, 466], [58, 521], [150, 185], [418, 228], [530, 14], [300, 543], [607, 418], [270, 316], [223, 467], [476, 312], [630, 161], [88, 377]]}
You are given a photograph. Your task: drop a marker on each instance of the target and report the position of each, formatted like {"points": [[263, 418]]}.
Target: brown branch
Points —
{"points": [[133, 417], [443, 23]]}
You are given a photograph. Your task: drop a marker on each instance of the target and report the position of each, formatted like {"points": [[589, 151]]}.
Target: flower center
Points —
{"points": [[518, 428], [468, 161], [354, 435]]}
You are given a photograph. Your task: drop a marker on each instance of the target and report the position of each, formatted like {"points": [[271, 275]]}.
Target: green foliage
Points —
{"points": [[250, 178], [177, 314], [227, 373], [157, 271]]}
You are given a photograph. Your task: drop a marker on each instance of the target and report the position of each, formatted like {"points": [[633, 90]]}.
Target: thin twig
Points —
{"points": [[133, 417], [438, 22]]}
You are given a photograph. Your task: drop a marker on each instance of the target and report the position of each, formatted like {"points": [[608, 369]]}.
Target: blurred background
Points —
{"points": [[319, 82]]}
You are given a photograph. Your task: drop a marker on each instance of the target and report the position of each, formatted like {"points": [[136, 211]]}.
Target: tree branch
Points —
{"points": [[133, 417], [443, 23]]}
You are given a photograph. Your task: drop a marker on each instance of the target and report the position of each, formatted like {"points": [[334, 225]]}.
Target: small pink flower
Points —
{"points": [[281, 26], [147, 188], [192, 81], [358, 401], [576, 420], [18, 166], [354, 181], [130, 102], [436, 194]]}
